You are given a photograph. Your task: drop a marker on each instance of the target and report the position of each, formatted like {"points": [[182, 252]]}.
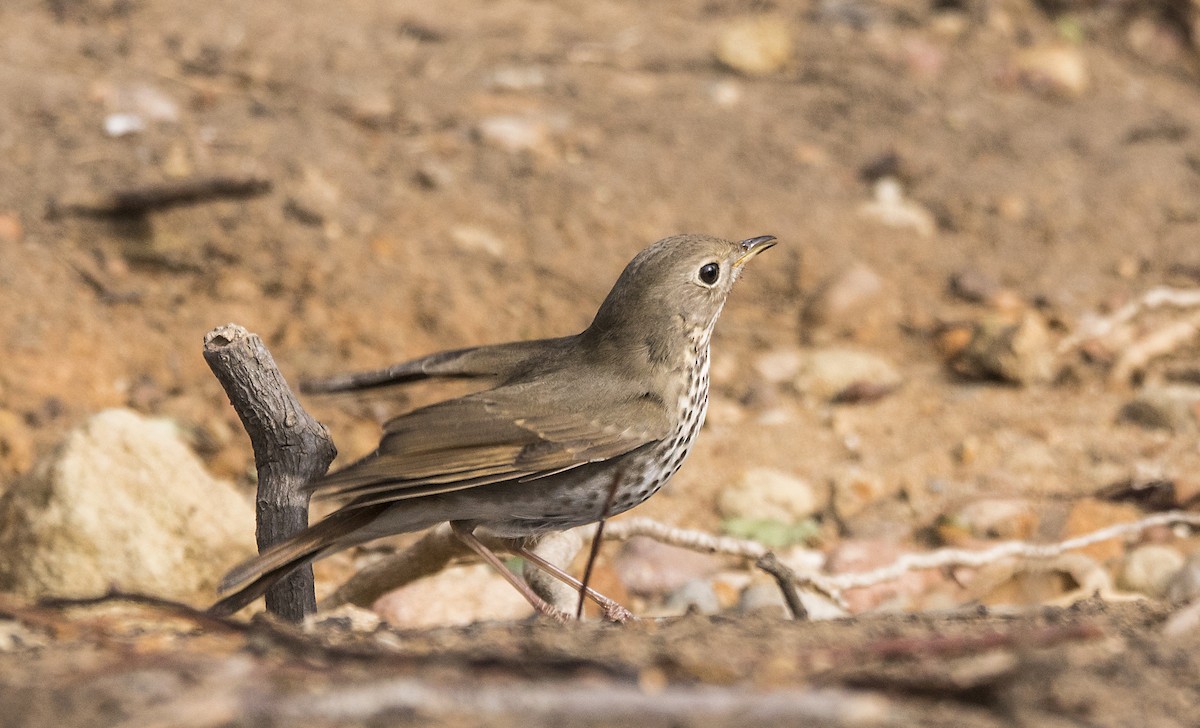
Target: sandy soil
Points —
{"points": [[446, 174]]}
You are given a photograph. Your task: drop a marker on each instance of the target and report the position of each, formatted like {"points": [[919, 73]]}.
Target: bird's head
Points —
{"points": [[676, 286]]}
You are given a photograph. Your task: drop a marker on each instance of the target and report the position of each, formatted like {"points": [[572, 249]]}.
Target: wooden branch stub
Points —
{"points": [[290, 449], [786, 579]]}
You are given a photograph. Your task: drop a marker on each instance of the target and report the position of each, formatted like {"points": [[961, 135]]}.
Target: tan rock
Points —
{"points": [[454, 597], [778, 365], [768, 494], [1000, 348], [1184, 584], [891, 208], [1054, 70], [826, 373], [646, 566], [514, 133], [854, 489], [122, 502], [756, 46], [1173, 407], [848, 304], [1149, 569]]}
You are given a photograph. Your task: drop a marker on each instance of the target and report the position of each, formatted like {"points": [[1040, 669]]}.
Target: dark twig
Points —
{"points": [[177, 609], [261, 631], [133, 201], [597, 539], [787, 581], [290, 449]]}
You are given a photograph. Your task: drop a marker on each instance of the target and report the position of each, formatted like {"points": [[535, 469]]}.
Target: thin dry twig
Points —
{"points": [[1009, 549], [1159, 342], [597, 538], [170, 606], [708, 543], [787, 581], [1100, 327], [833, 585], [435, 550], [1134, 349]]}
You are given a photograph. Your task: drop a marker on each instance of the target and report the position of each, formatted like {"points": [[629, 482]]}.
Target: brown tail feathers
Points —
{"points": [[256, 575]]}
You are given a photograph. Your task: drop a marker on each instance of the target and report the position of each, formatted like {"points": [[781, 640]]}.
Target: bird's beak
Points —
{"points": [[753, 247]]}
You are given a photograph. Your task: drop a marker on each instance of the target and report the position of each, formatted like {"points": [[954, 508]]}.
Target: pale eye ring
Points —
{"points": [[709, 273]]}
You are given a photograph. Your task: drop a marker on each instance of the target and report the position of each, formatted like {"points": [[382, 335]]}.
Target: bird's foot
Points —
{"points": [[614, 612]]}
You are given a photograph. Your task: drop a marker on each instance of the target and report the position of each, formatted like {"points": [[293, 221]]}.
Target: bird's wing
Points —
{"points": [[497, 361], [507, 434]]}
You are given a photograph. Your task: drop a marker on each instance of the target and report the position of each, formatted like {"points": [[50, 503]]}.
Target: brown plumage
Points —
{"points": [[538, 451]]}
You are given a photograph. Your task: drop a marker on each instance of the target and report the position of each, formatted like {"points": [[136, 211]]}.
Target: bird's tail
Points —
{"points": [[253, 577]]}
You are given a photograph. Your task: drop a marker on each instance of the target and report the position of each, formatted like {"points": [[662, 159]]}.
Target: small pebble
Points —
{"points": [[434, 175], [315, 199], [472, 239], [997, 348], [1172, 407], [845, 305], [973, 285], [453, 597], [514, 133], [1054, 70], [726, 93], [768, 494], [1149, 569], [649, 567], [346, 617], [1184, 584], [517, 78], [855, 488], [826, 373], [698, 595], [756, 46], [371, 109], [778, 365], [763, 598], [119, 125], [891, 208]]}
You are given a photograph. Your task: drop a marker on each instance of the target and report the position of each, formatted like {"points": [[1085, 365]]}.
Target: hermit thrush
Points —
{"points": [[574, 430]]}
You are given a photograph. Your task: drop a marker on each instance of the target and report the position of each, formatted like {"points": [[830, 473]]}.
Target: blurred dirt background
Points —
{"points": [[962, 190]]}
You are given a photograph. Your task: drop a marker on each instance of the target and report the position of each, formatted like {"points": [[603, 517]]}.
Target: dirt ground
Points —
{"points": [[447, 174]]}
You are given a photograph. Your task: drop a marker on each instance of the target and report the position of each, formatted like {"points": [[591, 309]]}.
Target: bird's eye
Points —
{"points": [[709, 272]]}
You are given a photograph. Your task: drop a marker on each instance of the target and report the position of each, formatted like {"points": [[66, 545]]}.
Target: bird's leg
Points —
{"points": [[466, 535], [612, 610]]}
